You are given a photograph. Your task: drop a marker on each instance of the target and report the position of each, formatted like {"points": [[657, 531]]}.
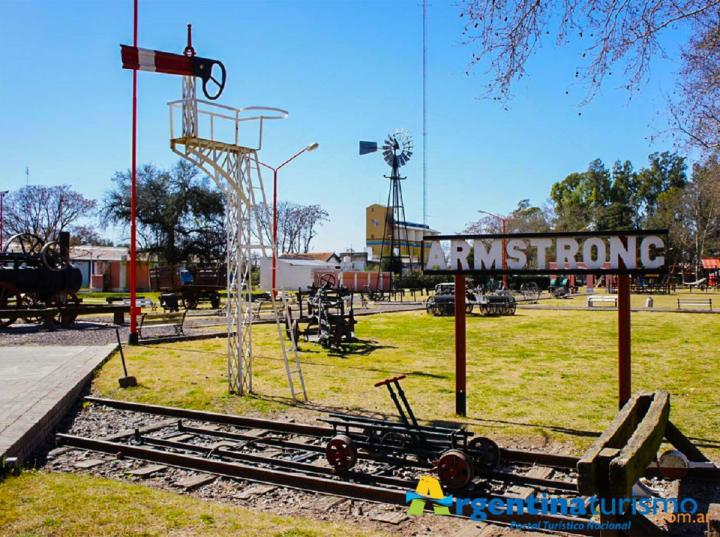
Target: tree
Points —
{"points": [[582, 198], [87, 235], [598, 199], [297, 225], [45, 210], [180, 216], [526, 218], [620, 36], [692, 215]]}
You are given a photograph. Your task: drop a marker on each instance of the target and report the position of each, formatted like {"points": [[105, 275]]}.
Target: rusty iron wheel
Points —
{"points": [[485, 454], [455, 469], [340, 453]]}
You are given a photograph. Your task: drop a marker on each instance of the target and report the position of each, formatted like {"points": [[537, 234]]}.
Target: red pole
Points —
{"points": [[504, 253], [460, 355], [133, 338], [275, 221], [624, 353], [2, 200]]}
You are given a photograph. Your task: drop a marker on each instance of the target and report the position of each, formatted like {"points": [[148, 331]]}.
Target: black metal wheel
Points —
{"points": [[31, 301], [25, 243], [485, 454], [340, 453], [455, 469], [52, 257], [10, 299], [395, 442]]}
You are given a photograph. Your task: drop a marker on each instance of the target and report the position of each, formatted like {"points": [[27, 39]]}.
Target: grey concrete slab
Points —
{"points": [[37, 386]]}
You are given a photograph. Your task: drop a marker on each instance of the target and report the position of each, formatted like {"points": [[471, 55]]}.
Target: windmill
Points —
{"points": [[396, 150]]}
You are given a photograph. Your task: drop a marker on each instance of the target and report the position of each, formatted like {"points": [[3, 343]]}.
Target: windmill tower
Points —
{"points": [[223, 142], [397, 150]]}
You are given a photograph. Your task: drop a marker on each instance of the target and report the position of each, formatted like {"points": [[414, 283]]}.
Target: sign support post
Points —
{"points": [[624, 350], [460, 347], [623, 253]]}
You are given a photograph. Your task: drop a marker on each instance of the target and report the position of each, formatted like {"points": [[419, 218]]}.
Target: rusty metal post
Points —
{"points": [[624, 351], [460, 355]]}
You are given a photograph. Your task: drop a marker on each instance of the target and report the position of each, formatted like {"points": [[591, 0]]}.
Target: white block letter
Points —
{"points": [[436, 257], [542, 245], [459, 251], [618, 251], [645, 259], [516, 256], [567, 249], [599, 245], [488, 259]]}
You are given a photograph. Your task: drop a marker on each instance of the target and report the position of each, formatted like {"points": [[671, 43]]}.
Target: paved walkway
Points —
{"points": [[37, 386]]}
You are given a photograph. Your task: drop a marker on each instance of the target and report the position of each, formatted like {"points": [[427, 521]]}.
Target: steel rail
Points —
{"points": [[289, 444], [215, 417], [278, 463], [299, 481], [502, 476]]}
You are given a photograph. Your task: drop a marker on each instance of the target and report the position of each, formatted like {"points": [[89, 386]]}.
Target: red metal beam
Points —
{"points": [[460, 350]]}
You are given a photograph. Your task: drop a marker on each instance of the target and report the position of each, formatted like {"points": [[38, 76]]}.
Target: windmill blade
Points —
{"points": [[368, 147]]}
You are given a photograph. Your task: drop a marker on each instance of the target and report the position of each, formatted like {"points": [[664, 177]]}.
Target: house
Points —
{"points": [[107, 268], [408, 235], [325, 257], [293, 273], [354, 261]]}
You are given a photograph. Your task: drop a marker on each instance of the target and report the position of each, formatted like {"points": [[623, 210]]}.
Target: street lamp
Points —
{"points": [[2, 198], [503, 227], [312, 147]]}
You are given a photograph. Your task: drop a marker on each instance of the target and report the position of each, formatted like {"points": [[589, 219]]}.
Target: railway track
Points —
{"points": [[292, 455]]}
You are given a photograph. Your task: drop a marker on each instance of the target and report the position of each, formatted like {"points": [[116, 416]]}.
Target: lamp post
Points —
{"points": [[503, 227], [312, 147], [2, 198]]}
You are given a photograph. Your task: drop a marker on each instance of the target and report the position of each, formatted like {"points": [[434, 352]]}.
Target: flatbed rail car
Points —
{"points": [[194, 286]]}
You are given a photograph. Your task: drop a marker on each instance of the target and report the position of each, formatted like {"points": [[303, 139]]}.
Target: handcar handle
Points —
{"points": [[388, 381]]}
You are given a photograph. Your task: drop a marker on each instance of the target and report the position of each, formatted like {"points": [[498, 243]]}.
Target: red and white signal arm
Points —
{"points": [[212, 72]]}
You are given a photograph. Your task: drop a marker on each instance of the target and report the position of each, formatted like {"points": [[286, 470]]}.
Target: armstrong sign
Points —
{"points": [[624, 252]]}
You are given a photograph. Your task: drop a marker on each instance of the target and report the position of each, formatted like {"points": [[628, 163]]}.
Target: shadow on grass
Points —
{"points": [[358, 347], [548, 427]]}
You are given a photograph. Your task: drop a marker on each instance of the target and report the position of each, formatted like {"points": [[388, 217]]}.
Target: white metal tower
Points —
{"points": [[224, 142]]}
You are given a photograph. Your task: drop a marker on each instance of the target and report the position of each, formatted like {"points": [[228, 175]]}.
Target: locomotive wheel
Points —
{"points": [[51, 256], [485, 454], [25, 243], [191, 302], [68, 299], [455, 469], [9, 299], [340, 453], [31, 301]]}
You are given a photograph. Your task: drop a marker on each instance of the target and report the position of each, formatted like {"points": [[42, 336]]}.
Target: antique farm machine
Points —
{"points": [[35, 275], [328, 318]]}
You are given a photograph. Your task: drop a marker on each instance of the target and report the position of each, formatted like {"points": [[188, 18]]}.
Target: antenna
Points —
{"points": [[424, 108], [27, 175]]}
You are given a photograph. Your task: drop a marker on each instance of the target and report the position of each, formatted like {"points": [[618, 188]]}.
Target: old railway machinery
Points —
{"points": [[35, 275], [457, 456], [224, 141]]}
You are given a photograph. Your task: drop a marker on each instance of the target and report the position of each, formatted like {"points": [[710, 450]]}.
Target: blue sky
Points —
{"points": [[346, 71]]}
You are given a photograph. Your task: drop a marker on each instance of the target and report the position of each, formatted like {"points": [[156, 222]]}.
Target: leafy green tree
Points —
{"points": [[180, 216], [666, 171]]}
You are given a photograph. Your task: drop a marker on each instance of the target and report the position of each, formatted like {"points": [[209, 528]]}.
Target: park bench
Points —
{"points": [[141, 302], [602, 299], [694, 303], [120, 298], [176, 319]]}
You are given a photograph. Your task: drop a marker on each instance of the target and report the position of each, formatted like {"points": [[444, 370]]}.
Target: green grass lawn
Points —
{"points": [[540, 375], [67, 505]]}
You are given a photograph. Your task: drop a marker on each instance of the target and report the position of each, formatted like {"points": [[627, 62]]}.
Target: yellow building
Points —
{"points": [[379, 243]]}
